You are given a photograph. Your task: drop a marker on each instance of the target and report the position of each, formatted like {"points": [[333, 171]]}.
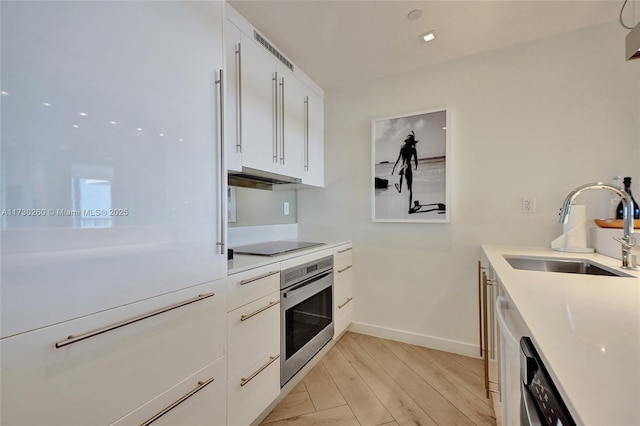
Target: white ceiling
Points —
{"points": [[338, 43]]}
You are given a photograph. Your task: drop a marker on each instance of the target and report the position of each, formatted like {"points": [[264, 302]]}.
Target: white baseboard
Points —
{"points": [[417, 339]]}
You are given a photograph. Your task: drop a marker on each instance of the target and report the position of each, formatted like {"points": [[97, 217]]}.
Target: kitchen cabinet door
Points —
{"points": [[314, 139], [112, 185], [343, 289], [291, 114], [250, 391], [198, 400], [233, 100], [259, 108], [116, 360]]}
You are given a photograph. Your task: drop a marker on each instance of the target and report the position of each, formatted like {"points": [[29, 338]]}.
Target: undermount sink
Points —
{"points": [[564, 265]]}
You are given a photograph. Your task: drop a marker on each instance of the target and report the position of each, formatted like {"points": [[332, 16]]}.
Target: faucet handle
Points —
{"points": [[627, 244]]}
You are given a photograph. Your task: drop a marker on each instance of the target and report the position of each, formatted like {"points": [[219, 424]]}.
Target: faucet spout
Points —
{"points": [[628, 240]]}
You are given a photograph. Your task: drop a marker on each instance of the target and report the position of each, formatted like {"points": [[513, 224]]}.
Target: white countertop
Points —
{"points": [[244, 262], [587, 329]]}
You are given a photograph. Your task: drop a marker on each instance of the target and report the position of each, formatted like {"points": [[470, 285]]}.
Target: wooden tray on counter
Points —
{"points": [[615, 223]]}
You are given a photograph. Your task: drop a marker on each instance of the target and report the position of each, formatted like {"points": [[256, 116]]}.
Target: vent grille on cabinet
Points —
{"points": [[272, 49]]}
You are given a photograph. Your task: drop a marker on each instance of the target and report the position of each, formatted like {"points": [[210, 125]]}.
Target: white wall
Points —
{"points": [[536, 119]]}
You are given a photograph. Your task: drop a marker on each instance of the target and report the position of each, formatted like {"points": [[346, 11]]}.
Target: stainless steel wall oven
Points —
{"points": [[306, 299]]}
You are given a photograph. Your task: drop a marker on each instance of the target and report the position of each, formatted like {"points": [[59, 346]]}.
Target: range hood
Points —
{"points": [[259, 179], [633, 44]]}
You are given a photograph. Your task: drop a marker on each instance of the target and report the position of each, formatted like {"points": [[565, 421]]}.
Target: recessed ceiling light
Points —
{"points": [[428, 36], [414, 15]]}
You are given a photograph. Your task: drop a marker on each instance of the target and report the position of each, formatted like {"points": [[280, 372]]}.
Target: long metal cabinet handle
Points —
{"points": [[275, 118], [254, 313], [343, 305], [282, 160], [73, 339], [485, 334], [259, 277], [480, 312], [345, 268], [239, 98], [223, 172], [244, 381], [306, 133], [201, 385], [345, 250]]}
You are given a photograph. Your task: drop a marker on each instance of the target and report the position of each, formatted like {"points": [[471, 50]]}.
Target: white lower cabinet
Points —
{"points": [[96, 369], [198, 400], [342, 288], [511, 328], [253, 339], [252, 389]]}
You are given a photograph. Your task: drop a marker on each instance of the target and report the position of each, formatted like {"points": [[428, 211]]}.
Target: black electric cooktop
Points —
{"points": [[274, 248]]}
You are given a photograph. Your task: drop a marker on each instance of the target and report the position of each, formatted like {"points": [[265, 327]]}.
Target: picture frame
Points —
{"points": [[418, 192]]}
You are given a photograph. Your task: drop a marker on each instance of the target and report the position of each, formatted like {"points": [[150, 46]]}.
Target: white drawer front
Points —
{"points": [[198, 400], [343, 316], [252, 390], [343, 257], [248, 286], [101, 378], [252, 330]]}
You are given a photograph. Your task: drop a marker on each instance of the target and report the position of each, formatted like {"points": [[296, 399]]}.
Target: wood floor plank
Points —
{"points": [[426, 395], [361, 399], [368, 372], [300, 387], [323, 391], [474, 365], [339, 416], [472, 382], [477, 408], [401, 406], [293, 405]]}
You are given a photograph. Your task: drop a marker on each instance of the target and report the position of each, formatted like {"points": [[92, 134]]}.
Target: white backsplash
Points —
{"points": [[239, 236]]}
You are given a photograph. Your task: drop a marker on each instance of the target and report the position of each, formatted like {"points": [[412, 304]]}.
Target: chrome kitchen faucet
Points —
{"points": [[628, 241]]}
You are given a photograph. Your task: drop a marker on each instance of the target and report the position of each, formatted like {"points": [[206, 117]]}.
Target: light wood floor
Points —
{"points": [[365, 380]]}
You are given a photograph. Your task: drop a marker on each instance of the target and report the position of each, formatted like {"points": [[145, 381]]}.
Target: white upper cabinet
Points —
{"points": [[270, 125], [260, 107], [112, 183], [233, 101], [291, 114], [313, 139]]}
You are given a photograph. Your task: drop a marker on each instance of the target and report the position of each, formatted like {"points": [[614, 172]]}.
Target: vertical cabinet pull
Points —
{"points": [[275, 118], [244, 381], [223, 173], [198, 388], [282, 161], [239, 98], [306, 133]]}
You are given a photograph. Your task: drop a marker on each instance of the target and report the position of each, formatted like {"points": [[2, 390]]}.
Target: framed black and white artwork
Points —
{"points": [[410, 181]]}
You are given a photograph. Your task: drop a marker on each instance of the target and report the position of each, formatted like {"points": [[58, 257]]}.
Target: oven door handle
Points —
{"points": [[301, 287]]}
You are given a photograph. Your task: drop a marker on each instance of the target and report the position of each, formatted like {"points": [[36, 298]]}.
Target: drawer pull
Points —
{"points": [[244, 381], [73, 339], [345, 250], [343, 305], [250, 280], [197, 389], [254, 313], [345, 268]]}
